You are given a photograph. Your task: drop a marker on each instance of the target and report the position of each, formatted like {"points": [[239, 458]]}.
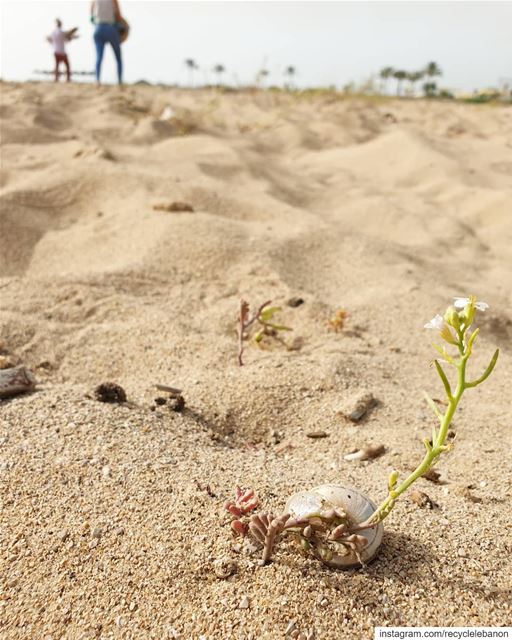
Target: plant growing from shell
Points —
{"points": [[339, 525]]}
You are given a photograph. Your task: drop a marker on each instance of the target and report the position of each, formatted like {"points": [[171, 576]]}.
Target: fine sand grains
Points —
{"points": [[111, 521]]}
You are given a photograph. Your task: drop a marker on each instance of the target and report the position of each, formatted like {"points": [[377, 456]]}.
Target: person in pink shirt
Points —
{"points": [[58, 39]]}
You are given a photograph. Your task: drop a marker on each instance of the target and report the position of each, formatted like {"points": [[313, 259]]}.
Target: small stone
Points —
{"points": [[292, 625], [224, 567], [465, 492], [119, 531], [173, 207], [358, 405], [422, 499], [176, 403], [432, 475], [366, 453], [6, 362], [119, 621], [461, 553], [275, 436], [315, 435], [296, 344], [63, 535], [160, 401], [93, 544], [96, 532], [105, 472], [444, 522], [295, 302], [110, 392], [244, 603], [133, 606]]}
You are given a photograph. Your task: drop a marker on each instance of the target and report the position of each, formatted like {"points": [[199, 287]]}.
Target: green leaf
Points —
{"points": [[433, 406], [469, 346], [486, 373], [267, 314], [279, 327], [444, 380], [444, 354]]}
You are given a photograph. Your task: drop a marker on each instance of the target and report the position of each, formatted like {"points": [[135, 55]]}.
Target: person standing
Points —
{"points": [[58, 40], [106, 15]]}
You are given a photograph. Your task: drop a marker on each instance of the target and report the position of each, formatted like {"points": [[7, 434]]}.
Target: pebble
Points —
{"points": [[317, 434], [292, 625], [244, 603], [63, 535], [461, 553], [96, 532], [224, 567], [422, 499], [176, 403], [93, 544], [358, 405], [367, 453], [105, 472], [5, 362]]}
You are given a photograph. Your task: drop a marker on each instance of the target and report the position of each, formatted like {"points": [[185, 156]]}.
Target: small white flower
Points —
{"points": [[460, 303], [436, 323]]}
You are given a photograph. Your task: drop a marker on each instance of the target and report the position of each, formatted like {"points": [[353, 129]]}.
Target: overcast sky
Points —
{"points": [[329, 43]]}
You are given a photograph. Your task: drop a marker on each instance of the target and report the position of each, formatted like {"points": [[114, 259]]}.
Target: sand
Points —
{"points": [[112, 515]]}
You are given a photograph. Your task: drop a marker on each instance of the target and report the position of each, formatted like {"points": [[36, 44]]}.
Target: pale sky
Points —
{"points": [[329, 43]]}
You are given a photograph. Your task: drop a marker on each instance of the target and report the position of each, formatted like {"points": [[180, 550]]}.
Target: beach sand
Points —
{"points": [[112, 516]]}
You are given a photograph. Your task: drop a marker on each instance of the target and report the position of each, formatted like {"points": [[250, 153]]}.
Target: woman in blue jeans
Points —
{"points": [[106, 15]]}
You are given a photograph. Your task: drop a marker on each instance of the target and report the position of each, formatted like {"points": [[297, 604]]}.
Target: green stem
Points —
{"points": [[434, 450], [438, 446]]}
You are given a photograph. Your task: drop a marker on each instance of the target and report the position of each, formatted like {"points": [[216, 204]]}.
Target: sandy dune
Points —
{"points": [[112, 515]]}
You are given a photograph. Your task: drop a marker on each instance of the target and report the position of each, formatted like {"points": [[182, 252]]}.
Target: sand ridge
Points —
{"points": [[384, 208]]}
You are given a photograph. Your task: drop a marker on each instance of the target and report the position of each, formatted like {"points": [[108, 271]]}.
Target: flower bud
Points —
{"points": [[451, 317], [447, 335], [392, 480], [468, 313]]}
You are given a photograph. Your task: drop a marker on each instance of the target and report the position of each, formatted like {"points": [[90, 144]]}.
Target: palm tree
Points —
{"points": [[191, 66], [432, 70], [399, 76], [413, 78], [219, 70], [290, 72], [385, 73], [430, 89], [261, 75]]}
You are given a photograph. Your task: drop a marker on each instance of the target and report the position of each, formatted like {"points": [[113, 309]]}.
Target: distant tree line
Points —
{"points": [[430, 71], [219, 69]]}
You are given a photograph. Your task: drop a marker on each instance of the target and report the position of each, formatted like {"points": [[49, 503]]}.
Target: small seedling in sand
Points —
{"points": [[337, 322], [263, 319], [339, 525]]}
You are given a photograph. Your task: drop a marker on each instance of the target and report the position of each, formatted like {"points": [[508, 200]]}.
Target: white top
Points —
{"points": [[58, 40], [104, 12]]}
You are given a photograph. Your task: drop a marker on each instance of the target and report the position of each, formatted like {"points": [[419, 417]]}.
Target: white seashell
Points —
{"points": [[355, 504]]}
